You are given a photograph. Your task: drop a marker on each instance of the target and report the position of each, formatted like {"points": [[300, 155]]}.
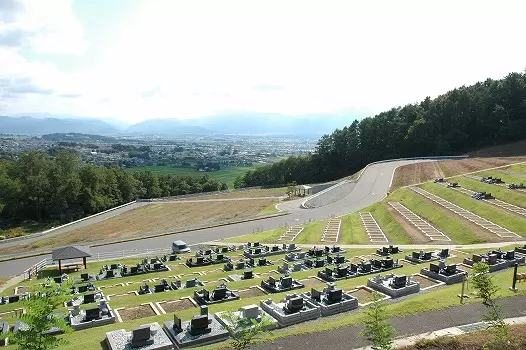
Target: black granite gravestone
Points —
{"points": [[141, 336]]}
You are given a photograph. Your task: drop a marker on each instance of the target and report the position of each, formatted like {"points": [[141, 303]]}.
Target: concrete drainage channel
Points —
{"points": [[291, 233], [422, 225], [374, 232], [332, 231]]}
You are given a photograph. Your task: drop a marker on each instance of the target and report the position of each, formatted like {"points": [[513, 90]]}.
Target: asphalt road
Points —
{"points": [[371, 188], [346, 338]]}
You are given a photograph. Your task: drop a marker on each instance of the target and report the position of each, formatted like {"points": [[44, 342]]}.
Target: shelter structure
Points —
{"points": [[71, 252], [305, 188]]}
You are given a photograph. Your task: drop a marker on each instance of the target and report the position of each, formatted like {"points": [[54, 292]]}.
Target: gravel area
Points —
{"points": [[331, 196], [424, 282], [177, 305], [311, 282], [132, 313], [363, 295], [251, 292]]}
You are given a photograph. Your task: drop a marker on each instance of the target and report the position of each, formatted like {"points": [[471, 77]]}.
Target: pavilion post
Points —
{"points": [[60, 267], [85, 263]]}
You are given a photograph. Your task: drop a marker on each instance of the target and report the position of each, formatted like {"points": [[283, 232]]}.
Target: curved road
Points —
{"points": [[370, 188]]}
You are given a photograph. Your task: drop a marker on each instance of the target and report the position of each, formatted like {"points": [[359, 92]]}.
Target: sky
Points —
{"points": [[140, 59]]}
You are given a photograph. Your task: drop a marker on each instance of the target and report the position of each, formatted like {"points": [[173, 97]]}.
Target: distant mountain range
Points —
{"points": [[37, 126], [246, 124]]}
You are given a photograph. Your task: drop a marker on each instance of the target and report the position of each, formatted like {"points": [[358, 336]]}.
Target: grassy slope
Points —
{"points": [[433, 300], [392, 229], [263, 237], [441, 219], [352, 230], [520, 168], [227, 175], [485, 210], [502, 193]]}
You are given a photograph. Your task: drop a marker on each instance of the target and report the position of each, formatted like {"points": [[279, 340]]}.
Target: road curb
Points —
{"points": [[95, 244]]}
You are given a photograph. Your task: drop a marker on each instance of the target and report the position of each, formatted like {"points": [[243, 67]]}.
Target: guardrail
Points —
{"points": [[304, 206]]}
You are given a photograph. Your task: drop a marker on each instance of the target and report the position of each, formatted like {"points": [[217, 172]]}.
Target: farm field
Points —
{"points": [[226, 175], [120, 298], [152, 218]]}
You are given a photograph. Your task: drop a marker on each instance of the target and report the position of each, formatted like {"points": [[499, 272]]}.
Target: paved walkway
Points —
{"points": [[346, 338], [401, 246]]}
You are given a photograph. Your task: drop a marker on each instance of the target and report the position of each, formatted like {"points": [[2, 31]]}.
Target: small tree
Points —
{"points": [[291, 187], [244, 330], [377, 329], [39, 318], [486, 289]]}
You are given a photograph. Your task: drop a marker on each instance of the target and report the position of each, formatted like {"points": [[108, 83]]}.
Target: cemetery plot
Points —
{"points": [[21, 290], [518, 187], [311, 282], [425, 227], [488, 225], [364, 295], [425, 282], [150, 336], [175, 305], [202, 329], [133, 313], [291, 233], [449, 274], [496, 202], [374, 232], [254, 291], [291, 310], [331, 233], [246, 314], [394, 285]]}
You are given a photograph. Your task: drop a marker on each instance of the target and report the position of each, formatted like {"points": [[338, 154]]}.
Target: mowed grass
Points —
{"points": [[271, 236], [392, 229], [227, 175], [442, 219], [520, 168], [439, 298], [499, 192], [352, 230], [485, 210], [153, 218]]}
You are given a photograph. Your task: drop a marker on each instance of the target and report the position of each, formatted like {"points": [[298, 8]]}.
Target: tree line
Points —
{"points": [[62, 188], [487, 113]]}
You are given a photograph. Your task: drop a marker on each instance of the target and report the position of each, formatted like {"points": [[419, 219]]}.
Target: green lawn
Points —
{"points": [[227, 175], [352, 230], [263, 237], [441, 218], [485, 210], [502, 193], [392, 229], [439, 298]]}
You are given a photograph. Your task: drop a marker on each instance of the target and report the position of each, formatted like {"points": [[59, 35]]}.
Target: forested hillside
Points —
{"points": [[487, 113], [38, 187]]}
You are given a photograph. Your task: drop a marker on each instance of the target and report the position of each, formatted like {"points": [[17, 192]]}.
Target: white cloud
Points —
{"points": [[39, 27], [185, 59]]}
